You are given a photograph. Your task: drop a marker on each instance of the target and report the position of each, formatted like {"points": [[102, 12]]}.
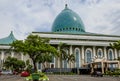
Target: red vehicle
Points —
{"points": [[25, 74]]}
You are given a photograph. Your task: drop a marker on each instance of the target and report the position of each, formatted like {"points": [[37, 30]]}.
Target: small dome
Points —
{"points": [[68, 22]]}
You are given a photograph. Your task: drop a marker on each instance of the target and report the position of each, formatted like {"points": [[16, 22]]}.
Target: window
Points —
{"points": [[110, 57], [77, 58], [60, 29], [99, 53], [53, 59], [66, 28], [73, 28], [110, 54], [39, 66], [76, 29], [88, 55]]}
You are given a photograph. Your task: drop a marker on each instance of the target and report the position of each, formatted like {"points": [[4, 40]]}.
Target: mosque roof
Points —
{"points": [[8, 40], [68, 22]]}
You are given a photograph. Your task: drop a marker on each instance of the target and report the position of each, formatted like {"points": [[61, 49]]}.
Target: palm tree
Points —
{"points": [[116, 45], [70, 58], [45, 58], [62, 53]]}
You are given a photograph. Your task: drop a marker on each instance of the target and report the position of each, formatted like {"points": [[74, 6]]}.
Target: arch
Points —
{"points": [[88, 55], [52, 63], [77, 58], [99, 53], [110, 55]]}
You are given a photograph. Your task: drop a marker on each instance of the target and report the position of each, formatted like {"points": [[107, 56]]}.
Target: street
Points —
{"points": [[62, 78]]}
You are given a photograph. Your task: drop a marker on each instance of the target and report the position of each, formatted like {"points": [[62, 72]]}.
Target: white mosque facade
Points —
{"points": [[89, 48]]}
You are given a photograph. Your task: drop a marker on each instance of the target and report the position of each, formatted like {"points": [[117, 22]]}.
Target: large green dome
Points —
{"points": [[68, 22]]}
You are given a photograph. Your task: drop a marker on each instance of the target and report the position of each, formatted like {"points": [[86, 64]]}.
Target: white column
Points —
{"points": [[115, 53], [115, 57], [71, 52], [105, 54], [22, 56], [83, 55], [71, 49], [94, 52], [58, 59], [2, 55], [102, 65], [12, 54]]}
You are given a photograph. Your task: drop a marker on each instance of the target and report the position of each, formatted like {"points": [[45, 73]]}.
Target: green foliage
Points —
{"points": [[115, 45], [63, 55], [62, 52], [34, 46], [14, 63], [28, 66], [113, 73]]}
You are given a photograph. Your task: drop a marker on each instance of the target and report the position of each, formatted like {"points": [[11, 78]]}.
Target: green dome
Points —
{"points": [[68, 22], [8, 40]]}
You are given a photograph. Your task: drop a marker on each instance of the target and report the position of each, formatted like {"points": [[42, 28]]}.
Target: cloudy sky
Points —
{"points": [[25, 16]]}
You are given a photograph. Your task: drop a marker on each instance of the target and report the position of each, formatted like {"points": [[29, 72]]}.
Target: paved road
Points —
{"points": [[82, 78], [62, 78]]}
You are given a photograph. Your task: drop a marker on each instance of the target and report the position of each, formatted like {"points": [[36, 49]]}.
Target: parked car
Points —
{"points": [[25, 74], [5, 72], [96, 74]]}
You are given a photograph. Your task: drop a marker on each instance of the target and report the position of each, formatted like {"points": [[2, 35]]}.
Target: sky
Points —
{"points": [[26, 16]]}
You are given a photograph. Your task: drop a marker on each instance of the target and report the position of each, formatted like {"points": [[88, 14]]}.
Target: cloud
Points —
{"points": [[25, 16]]}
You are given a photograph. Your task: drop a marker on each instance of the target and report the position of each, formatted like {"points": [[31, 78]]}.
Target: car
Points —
{"points": [[25, 74], [5, 72], [97, 74]]}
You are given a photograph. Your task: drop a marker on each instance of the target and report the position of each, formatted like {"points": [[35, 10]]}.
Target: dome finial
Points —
{"points": [[66, 6]]}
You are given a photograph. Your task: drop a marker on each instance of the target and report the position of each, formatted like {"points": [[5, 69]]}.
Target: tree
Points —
{"points": [[45, 58], [62, 52], [34, 46], [116, 45], [14, 63], [70, 58], [63, 55]]}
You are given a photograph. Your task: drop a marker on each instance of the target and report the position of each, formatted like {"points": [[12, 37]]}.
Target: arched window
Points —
{"points": [[77, 58], [110, 57], [99, 53], [110, 54], [88, 55]]}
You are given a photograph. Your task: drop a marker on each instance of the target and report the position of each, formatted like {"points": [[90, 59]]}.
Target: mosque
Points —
{"points": [[92, 50]]}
